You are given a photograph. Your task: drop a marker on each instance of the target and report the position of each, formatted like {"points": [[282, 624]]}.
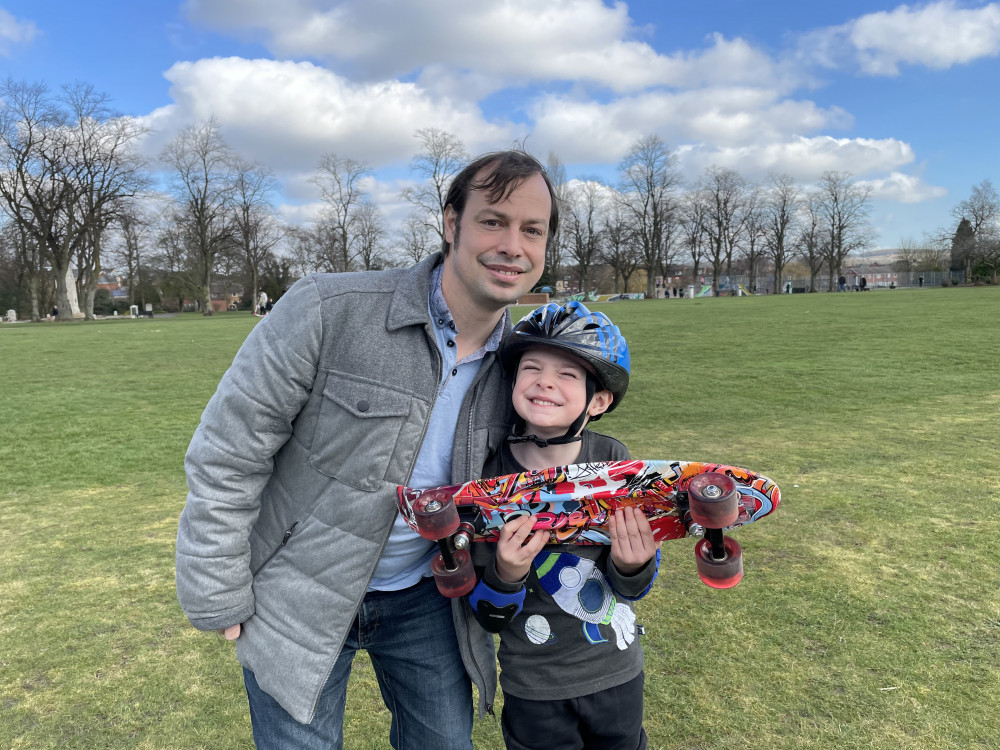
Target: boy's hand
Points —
{"points": [[632, 544], [517, 548]]}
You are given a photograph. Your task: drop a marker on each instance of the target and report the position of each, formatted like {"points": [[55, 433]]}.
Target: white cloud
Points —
{"points": [[517, 41], [938, 35], [902, 188], [14, 32], [396, 67], [589, 131], [288, 114], [805, 159]]}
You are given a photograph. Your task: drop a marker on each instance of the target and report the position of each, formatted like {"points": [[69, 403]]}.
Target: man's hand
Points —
{"points": [[231, 633], [632, 544], [517, 547]]}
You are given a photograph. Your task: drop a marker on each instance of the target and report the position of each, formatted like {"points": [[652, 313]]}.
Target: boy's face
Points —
{"points": [[550, 392]]}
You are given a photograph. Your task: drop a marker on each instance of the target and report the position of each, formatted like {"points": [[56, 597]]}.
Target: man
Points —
{"points": [[290, 541]]}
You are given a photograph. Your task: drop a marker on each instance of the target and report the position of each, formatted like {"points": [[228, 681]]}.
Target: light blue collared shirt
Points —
{"points": [[407, 555]]}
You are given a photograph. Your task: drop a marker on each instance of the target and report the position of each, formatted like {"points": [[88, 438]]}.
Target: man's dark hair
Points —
{"points": [[507, 170]]}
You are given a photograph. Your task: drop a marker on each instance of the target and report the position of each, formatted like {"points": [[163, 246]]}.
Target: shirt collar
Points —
{"points": [[441, 315]]}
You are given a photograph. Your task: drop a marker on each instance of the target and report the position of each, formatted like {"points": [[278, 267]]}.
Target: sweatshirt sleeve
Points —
{"points": [[639, 583]]}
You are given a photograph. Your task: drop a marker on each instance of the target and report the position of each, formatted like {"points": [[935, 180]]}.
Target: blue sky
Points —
{"points": [[904, 97]]}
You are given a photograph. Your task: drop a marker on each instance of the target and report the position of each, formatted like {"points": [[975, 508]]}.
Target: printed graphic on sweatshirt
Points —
{"points": [[580, 589], [538, 630]]}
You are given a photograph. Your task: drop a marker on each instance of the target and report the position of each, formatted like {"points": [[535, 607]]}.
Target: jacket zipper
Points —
{"points": [[276, 550]]}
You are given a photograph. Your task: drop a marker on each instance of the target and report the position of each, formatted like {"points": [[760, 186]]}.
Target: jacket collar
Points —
{"points": [[409, 300]]}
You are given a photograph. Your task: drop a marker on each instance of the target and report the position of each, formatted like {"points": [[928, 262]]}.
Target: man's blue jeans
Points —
{"points": [[410, 637]]}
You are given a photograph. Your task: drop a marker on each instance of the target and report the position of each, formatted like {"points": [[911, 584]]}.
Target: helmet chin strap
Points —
{"points": [[572, 434]]}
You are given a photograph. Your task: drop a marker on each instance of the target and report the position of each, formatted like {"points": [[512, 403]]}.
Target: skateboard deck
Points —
{"points": [[574, 503]]}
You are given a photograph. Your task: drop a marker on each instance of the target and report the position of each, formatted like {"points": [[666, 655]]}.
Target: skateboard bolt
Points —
{"points": [[712, 491], [433, 506], [461, 541]]}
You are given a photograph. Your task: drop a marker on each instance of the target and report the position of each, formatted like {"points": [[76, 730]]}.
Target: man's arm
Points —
{"points": [[230, 458]]}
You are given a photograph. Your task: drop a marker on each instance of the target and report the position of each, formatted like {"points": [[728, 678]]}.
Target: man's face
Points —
{"points": [[499, 253]]}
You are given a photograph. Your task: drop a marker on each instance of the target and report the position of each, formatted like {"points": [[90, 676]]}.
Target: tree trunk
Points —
{"points": [[89, 293], [206, 289], [63, 279], [33, 294]]}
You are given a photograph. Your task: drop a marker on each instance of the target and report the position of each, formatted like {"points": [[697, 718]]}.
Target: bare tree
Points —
{"points": [[339, 181], [557, 246], [649, 176], [724, 198], [982, 210], [782, 206], [255, 228], [753, 245], [23, 267], [203, 182], [694, 238], [988, 255], [131, 251], [935, 251], [618, 245], [371, 232], [443, 157], [415, 238], [844, 207], [302, 246], [812, 239], [64, 162], [33, 185], [584, 207], [907, 255], [109, 172], [176, 257]]}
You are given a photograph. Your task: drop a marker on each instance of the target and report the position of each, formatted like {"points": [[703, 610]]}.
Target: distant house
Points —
{"points": [[113, 283], [225, 296], [876, 275]]}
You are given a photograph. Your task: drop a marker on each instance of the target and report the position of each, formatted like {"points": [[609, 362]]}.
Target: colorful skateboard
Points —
{"points": [[574, 504]]}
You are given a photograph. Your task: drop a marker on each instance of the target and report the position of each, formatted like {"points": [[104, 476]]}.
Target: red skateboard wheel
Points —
{"points": [[436, 515], [713, 500], [458, 581], [719, 574]]}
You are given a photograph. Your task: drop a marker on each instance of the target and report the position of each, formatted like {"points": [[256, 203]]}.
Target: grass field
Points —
{"points": [[869, 616]]}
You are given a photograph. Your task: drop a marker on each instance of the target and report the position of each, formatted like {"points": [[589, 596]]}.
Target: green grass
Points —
{"points": [[868, 618]]}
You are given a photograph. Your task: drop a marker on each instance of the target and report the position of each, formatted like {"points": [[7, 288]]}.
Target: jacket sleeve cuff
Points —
{"points": [[223, 621]]}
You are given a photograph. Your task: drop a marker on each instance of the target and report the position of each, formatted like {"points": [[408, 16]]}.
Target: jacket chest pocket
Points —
{"points": [[357, 431]]}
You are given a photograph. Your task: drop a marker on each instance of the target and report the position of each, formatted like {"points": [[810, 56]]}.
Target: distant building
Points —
{"points": [[876, 275]]}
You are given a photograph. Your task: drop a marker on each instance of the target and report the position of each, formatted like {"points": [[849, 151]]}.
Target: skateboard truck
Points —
{"points": [[437, 519], [713, 503]]}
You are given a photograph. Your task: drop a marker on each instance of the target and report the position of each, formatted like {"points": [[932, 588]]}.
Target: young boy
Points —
{"points": [[571, 665]]}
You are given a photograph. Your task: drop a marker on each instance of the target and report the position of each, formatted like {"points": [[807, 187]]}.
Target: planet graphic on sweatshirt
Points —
{"points": [[538, 631]]}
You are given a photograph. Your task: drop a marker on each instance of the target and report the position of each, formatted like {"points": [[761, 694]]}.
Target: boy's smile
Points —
{"points": [[550, 392]]}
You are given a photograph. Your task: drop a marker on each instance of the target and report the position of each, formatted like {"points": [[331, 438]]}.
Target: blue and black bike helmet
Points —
{"points": [[590, 336]]}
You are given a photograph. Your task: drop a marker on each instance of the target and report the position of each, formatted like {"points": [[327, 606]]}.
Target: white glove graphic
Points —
{"points": [[581, 590]]}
